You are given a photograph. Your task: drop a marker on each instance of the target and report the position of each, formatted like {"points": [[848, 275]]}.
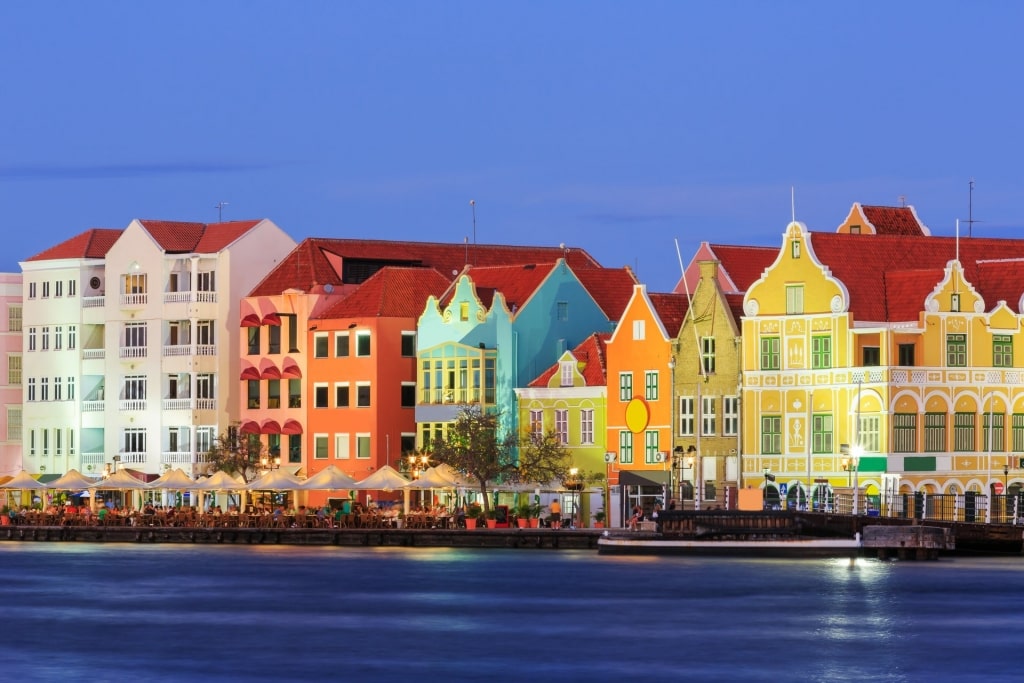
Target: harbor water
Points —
{"points": [[98, 612]]}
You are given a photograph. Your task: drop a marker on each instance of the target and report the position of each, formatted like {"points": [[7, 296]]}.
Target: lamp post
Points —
{"points": [[574, 484], [768, 477], [855, 454], [677, 464], [672, 481], [845, 464]]}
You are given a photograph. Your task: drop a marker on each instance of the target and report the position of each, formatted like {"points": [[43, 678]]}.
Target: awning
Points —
{"points": [[270, 427], [643, 477], [268, 370], [290, 368], [291, 427], [249, 316], [272, 318], [249, 371], [249, 427]]}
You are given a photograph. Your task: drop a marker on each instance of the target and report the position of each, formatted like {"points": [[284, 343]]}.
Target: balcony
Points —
{"points": [[177, 404], [134, 300], [94, 301], [916, 376], [206, 404], [202, 297], [176, 458], [94, 354], [132, 405], [133, 352], [132, 458], [93, 458], [93, 406], [456, 396]]}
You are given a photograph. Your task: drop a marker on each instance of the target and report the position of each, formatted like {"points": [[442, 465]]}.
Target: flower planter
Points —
{"points": [[492, 524], [470, 522], [534, 522], [522, 522]]}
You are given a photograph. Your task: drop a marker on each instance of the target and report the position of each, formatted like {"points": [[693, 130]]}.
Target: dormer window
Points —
{"points": [[954, 303], [795, 248], [565, 373]]}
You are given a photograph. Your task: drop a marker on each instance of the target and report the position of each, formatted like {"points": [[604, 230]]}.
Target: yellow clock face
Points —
{"points": [[637, 415]]}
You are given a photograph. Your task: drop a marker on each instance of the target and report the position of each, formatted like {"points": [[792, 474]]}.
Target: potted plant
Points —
{"points": [[534, 515], [598, 519], [473, 513], [492, 519], [523, 516]]}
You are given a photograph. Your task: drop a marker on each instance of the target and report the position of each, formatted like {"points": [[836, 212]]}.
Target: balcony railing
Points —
{"points": [[176, 458], [190, 297], [94, 354], [93, 406], [93, 301], [177, 404], [93, 458], [132, 405], [132, 457], [178, 350], [206, 404], [898, 376], [134, 299], [206, 350], [133, 352]]}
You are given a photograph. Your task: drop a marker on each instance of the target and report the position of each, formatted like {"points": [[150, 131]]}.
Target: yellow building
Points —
{"points": [[894, 343]]}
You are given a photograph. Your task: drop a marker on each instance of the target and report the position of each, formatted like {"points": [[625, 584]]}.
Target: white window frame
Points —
{"points": [[342, 446], [687, 416]]}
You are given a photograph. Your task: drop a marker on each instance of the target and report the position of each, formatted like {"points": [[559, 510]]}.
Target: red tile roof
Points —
{"points": [[883, 274], [742, 265], [611, 288], [671, 308], [391, 292], [91, 244], [590, 354], [735, 302], [894, 220], [516, 283], [321, 261], [178, 237]]}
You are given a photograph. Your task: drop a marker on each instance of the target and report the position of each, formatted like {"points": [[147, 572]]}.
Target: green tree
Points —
{"points": [[473, 446], [543, 458], [236, 454]]}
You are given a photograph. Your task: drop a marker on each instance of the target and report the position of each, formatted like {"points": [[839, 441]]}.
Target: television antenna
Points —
{"points": [[220, 210]]}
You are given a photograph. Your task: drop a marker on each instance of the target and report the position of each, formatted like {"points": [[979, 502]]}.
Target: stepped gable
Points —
{"points": [[516, 283], [864, 267], [90, 244], [178, 237], [741, 265], [611, 288], [391, 292], [590, 355], [321, 261], [671, 308]]}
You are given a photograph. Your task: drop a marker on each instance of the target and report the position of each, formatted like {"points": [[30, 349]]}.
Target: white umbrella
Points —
{"points": [[431, 479], [458, 479], [71, 481], [276, 480], [175, 479], [122, 480], [219, 481], [331, 478], [23, 481], [387, 478]]}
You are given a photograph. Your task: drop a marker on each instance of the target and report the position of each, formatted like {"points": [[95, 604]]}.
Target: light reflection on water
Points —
{"points": [[169, 612]]}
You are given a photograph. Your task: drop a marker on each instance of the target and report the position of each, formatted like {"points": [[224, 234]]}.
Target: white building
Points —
{"points": [[130, 342]]}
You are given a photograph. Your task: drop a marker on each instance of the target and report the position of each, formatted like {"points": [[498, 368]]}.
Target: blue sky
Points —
{"points": [[614, 126]]}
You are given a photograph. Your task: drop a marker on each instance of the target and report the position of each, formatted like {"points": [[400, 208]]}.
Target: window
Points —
{"points": [[956, 350], [58, 288], [651, 385], [1017, 432], [45, 338], [341, 340], [562, 310], [536, 424], [31, 290], [320, 345], [46, 290], [625, 386], [14, 424], [409, 344], [906, 353], [273, 339], [362, 344], [686, 416], [821, 433], [408, 394], [292, 321], [464, 311], [320, 396], [58, 389], [71, 388], [770, 353], [134, 440], [904, 433], [821, 352], [14, 370], [341, 395], [565, 373], [651, 446], [869, 434], [254, 342], [854, 229], [363, 446], [253, 394], [294, 393], [205, 281], [993, 439], [72, 288], [362, 394], [794, 299], [730, 416], [295, 448], [1002, 351], [31, 339], [31, 391], [639, 330], [771, 434], [205, 437], [341, 447], [319, 446], [872, 356], [134, 388], [274, 393], [963, 432], [707, 353], [44, 389], [587, 426], [562, 425], [135, 335], [626, 447], [708, 418], [794, 248], [934, 432], [954, 303], [204, 386], [14, 318], [58, 337]]}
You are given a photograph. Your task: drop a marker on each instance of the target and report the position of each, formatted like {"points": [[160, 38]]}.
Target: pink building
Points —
{"points": [[10, 375]]}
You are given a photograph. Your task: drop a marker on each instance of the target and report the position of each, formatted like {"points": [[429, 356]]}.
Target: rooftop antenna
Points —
{"points": [[465, 242], [902, 199], [792, 206], [220, 211], [472, 204], [970, 207]]}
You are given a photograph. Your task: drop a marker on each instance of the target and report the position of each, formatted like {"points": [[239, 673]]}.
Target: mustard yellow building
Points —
{"points": [[884, 341]]}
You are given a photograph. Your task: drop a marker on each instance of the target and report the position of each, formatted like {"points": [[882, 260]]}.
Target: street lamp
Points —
{"points": [[574, 484], [855, 454], [768, 477], [845, 463], [677, 464]]}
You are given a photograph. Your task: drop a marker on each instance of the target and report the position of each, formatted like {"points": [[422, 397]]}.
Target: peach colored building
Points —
{"points": [[10, 380]]}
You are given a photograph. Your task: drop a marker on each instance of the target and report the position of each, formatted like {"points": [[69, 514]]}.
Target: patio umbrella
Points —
{"points": [[174, 480], [23, 481], [219, 481], [276, 480], [121, 480], [73, 480], [387, 478], [331, 478]]}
